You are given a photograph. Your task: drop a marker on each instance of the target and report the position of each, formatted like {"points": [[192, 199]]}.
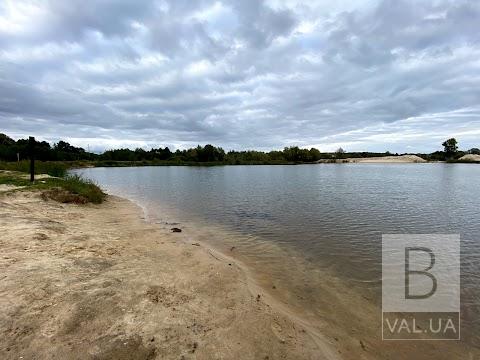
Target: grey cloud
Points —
{"points": [[259, 24], [242, 73]]}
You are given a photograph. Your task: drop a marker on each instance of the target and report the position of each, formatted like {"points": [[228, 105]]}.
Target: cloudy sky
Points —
{"points": [[394, 75]]}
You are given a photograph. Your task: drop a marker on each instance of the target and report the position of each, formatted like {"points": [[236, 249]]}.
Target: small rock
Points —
{"points": [[258, 297], [176, 230], [152, 339], [196, 244]]}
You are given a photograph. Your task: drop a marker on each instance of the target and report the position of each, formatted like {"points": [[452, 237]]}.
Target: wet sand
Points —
{"points": [[98, 282]]}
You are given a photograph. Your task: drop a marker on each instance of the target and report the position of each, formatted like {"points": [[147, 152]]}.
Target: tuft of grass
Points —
{"points": [[81, 190]]}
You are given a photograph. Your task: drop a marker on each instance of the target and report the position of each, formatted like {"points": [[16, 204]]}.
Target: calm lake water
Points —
{"points": [[292, 221]]}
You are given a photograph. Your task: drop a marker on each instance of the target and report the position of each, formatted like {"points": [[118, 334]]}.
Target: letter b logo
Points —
{"points": [[425, 272], [420, 280]]}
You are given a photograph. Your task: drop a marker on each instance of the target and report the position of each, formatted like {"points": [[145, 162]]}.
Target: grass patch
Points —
{"points": [[83, 190], [70, 189], [14, 179], [57, 169]]}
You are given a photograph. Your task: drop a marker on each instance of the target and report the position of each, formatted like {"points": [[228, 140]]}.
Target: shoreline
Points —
{"points": [[102, 275]]}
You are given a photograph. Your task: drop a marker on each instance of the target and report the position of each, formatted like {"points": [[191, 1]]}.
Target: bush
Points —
{"points": [[53, 169], [87, 188]]}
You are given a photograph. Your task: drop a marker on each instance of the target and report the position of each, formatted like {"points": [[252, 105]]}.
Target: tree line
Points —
{"points": [[13, 150]]}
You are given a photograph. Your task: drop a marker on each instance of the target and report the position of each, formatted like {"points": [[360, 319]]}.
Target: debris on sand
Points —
{"points": [[176, 230], [362, 344]]}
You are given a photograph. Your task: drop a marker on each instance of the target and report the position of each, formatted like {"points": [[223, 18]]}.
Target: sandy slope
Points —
{"points": [[96, 282], [386, 159], [382, 159], [390, 159], [470, 157]]}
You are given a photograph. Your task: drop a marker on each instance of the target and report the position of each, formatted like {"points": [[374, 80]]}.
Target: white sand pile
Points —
{"points": [[470, 157], [389, 159]]}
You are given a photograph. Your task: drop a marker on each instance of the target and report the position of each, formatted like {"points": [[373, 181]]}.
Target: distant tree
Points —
{"points": [[291, 153], [5, 140], [315, 154], [8, 148], [276, 155], [209, 153], [450, 147], [474, 151], [340, 153]]}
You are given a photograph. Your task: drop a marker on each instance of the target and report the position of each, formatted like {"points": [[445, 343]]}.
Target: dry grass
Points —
{"points": [[64, 196]]}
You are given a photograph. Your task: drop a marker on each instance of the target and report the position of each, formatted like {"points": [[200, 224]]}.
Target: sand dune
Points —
{"points": [[470, 157], [383, 159], [389, 159]]}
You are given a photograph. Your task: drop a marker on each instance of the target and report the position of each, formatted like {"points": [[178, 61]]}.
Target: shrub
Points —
{"points": [[75, 189]]}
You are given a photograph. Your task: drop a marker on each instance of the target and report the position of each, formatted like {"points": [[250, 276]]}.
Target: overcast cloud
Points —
{"points": [[394, 75]]}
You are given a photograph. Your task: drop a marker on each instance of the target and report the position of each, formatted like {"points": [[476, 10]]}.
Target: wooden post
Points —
{"points": [[31, 150]]}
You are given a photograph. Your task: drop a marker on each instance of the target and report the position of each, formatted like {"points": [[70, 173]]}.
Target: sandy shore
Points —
{"points": [[98, 282], [378, 160]]}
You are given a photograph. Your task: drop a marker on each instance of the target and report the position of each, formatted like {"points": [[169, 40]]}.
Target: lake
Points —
{"points": [[293, 225]]}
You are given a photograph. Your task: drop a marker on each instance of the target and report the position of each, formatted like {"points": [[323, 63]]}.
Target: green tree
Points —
{"points": [[450, 147], [340, 153], [5, 140], [314, 154]]}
